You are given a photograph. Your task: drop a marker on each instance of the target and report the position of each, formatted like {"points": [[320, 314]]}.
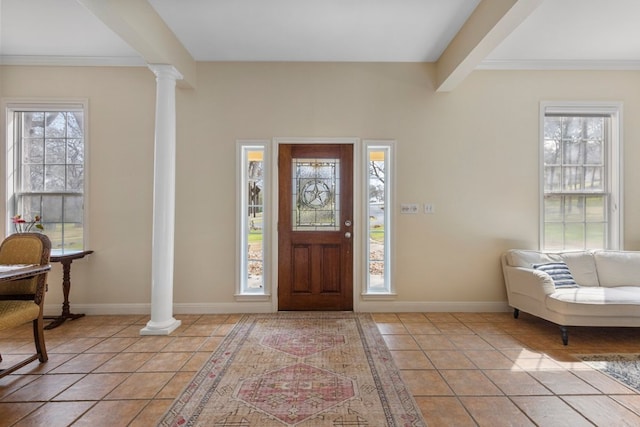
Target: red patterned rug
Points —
{"points": [[298, 369]]}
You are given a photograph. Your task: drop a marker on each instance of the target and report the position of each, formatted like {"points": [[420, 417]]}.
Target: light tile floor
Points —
{"points": [[464, 369]]}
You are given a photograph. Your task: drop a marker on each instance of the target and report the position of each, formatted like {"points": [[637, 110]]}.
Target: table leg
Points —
{"points": [[66, 287]]}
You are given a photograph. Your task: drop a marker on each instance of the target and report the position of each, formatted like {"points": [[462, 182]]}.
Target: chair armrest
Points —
{"points": [[528, 281]]}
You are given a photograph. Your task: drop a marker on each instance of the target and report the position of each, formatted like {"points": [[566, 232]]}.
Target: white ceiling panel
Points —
{"points": [[576, 30], [589, 32], [312, 30], [56, 28]]}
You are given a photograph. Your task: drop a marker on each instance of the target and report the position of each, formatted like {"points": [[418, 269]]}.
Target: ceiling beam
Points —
{"points": [[489, 24], [139, 25]]}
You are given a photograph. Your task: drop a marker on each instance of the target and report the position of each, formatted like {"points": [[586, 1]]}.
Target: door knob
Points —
{"points": [[347, 235]]}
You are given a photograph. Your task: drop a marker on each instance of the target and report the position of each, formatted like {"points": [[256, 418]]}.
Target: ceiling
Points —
{"points": [[583, 34]]}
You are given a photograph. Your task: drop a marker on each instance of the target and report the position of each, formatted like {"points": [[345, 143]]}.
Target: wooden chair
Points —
{"points": [[22, 300]]}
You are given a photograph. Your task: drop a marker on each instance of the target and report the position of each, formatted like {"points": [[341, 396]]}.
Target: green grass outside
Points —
{"points": [[73, 236], [377, 235], [583, 226], [255, 236]]}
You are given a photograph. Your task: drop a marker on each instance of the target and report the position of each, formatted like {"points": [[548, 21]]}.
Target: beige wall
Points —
{"points": [[472, 152]]}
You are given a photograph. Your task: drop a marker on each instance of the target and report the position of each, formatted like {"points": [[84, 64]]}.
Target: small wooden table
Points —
{"points": [[65, 259]]}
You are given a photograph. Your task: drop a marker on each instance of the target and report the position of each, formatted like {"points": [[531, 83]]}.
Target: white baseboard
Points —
{"points": [[100, 309], [266, 307], [226, 308], [433, 306]]}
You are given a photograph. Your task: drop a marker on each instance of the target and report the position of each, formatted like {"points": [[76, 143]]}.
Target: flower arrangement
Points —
{"points": [[21, 225]]}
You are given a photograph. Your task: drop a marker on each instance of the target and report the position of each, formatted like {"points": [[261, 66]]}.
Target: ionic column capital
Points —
{"points": [[165, 71]]}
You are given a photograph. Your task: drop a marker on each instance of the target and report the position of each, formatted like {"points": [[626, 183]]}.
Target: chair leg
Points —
{"points": [[41, 349], [516, 313], [38, 337]]}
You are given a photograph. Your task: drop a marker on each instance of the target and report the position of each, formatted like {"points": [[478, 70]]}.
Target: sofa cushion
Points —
{"points": [[618, 268], [559, 273], [596, 301], [527, 258], [581, 263], [582, 266]]}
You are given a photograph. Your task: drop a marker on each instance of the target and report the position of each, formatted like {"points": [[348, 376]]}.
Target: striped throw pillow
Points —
{"points": [[560, 274]]}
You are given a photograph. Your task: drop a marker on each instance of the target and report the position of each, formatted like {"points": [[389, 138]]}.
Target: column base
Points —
{"points": [[153, 328]]}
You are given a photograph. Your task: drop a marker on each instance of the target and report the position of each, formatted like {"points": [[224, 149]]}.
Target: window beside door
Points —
{"points": [[378, 201], [253, 208], [46, 169], [254, 222], [581, 184]]}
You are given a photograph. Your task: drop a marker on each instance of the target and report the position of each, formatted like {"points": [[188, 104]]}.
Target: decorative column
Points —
{"points": [[164, 188]]}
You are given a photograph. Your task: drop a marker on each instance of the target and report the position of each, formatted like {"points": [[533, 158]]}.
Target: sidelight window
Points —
{"points": [[253, 216], [379, 181]]}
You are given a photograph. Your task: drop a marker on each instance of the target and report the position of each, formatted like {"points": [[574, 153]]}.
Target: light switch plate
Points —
{"points": [[409, 208]]}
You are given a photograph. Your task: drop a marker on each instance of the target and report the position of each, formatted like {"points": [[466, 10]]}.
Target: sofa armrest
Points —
{"points": [[528, 281]]}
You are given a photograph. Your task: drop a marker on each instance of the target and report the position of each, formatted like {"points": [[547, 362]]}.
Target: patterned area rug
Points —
{"points": [[298, 369], [625, 367]]}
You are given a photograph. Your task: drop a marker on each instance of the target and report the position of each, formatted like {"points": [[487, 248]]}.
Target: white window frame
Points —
{"points": [[613, 163], [10, 106], [243, 292], [389, 148]]}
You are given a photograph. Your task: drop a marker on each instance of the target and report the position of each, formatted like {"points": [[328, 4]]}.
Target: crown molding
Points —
{"points": [[552, 64], [489, 64], [73, 61]]}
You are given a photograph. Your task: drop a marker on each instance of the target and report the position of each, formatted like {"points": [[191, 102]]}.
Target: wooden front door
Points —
{"points": [[315, 227]]}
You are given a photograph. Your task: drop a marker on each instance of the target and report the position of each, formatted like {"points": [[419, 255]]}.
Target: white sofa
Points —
{"points": [[606, 290]]}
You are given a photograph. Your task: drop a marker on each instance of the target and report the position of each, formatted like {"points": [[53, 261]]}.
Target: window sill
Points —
{"points": [[379, 297], [252, 297]]}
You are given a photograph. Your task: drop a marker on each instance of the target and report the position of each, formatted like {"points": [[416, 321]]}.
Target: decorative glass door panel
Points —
{"points": [[316, 194]]}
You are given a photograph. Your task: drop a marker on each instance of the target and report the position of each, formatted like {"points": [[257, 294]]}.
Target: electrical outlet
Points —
{"points": [[429, 208], [409, 208]]}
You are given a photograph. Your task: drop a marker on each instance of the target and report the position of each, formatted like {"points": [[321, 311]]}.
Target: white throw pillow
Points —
{"points": [[583, 267]]}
